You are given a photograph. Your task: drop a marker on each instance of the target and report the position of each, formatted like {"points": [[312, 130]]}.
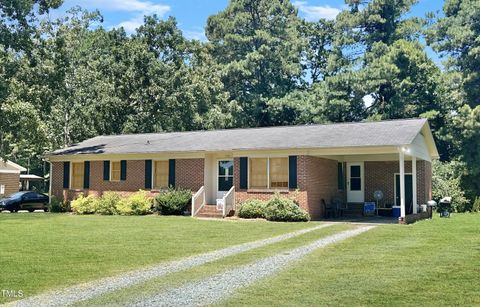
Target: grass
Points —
{"points": [[430, 263], [151, 287], [44, 251]]}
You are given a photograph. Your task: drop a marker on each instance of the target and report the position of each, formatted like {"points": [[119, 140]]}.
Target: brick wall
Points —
{"points": [[188, 174], [380, 176], [57, 179], [316, 179], [11, 182]]}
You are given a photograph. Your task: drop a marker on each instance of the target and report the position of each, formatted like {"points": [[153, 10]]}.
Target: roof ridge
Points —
{"points": [[264, 127]]}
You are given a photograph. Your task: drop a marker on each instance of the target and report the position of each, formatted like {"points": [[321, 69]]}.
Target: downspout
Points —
{"points": [[49, 182]]}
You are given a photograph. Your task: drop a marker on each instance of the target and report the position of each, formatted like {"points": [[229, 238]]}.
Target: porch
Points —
{"points": [[384, 187], [390, 183]]}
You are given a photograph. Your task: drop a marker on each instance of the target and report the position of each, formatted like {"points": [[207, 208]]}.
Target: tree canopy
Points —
{"points": [[67, 79]]}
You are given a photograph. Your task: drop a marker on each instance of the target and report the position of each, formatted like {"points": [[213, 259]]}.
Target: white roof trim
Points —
{"points": [[8, 171], [14, 165]]}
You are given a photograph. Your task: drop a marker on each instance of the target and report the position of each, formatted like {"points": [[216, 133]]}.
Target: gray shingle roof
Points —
{"points": [[378, 133]]}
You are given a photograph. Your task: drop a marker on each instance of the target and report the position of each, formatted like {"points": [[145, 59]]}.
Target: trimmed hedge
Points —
{"points": [[278, 208], [173, 201], [252, 209], [138, 203], [107, 204], [282, 209], [111, 203], [84, 205]]}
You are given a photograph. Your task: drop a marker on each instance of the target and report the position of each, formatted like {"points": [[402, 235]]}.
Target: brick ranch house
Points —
{"points": [[226, 167], [9, 177]]}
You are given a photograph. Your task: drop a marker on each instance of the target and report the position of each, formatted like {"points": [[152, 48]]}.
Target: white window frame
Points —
{"points": [[268, 173], [111, 168], [70, 184], [218, 174], [153, 174]]}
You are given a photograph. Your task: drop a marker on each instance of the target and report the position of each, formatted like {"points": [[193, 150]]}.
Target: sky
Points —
{"points": [[192, 15]]}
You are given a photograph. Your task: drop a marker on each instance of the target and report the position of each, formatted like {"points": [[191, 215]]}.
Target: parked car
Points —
{"points": [[26, 200]]}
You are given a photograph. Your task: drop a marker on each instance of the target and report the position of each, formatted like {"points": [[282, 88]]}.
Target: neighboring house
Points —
{"points": [[312, 162], [9, 177]]}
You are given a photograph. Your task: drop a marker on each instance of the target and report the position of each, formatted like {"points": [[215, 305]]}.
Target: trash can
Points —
{"points": [[396, 211]]}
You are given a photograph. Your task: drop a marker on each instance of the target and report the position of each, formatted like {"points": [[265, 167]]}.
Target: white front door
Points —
{"points": [[224, 177], [355, 182]]}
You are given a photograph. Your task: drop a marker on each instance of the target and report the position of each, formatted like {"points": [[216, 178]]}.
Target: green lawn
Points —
{"points": [[154, 286], [42, 251], [433, 262]]}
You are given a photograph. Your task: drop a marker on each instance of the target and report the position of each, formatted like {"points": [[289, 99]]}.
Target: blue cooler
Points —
{"points": [[396, 211]]}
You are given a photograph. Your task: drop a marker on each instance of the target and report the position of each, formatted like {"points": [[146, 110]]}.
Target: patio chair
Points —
{"points": [[339, 206], [328, 209]]}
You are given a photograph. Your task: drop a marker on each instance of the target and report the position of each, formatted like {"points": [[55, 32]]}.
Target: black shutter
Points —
{"points": [[66, 175], [340, 175], [148, 174], [292, 172], [123, 170], [171, 173], [86, 175], [243, 173], [106, 170]]}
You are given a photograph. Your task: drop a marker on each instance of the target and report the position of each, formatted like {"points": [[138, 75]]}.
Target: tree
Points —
{"points": [[319, 51], [386, 59], [260, 49], [455, 36], [179, 86], [21, 132], [18, 21], [446, 182]]}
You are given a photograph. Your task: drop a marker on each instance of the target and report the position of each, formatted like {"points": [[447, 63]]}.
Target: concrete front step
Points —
{"points": [[210, 211]]}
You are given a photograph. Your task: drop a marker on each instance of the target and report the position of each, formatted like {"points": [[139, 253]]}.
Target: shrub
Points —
{"points": [[138, 203], [84, 205], [173, 201], [476, 205], [107, 204], [283, 209], [57, 205], [252, 209], [446, 181]]}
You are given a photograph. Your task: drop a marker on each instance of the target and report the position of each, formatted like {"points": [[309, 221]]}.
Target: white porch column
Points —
{"points": [[414, 183], [402, 183]]}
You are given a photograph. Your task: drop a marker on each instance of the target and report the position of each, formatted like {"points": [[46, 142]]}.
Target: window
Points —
{"points": [[77, 175], [115, 171], [160, 173], [268, 173], [355, 178], [258, 173], [278, 172]]}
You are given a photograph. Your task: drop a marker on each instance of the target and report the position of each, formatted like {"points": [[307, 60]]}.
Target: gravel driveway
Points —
{"points": [[220, 286], [92, 289]]}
